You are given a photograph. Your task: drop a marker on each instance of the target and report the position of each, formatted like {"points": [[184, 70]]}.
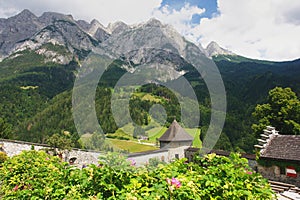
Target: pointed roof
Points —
{"points": [[175, 133]]}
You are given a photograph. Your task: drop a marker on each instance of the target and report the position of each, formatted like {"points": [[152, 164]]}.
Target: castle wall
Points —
{"points": [[85, 157]]}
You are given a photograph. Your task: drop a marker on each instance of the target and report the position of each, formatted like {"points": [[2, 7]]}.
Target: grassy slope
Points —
{"points": [[196, 134], [156, 132], [131, 146]]}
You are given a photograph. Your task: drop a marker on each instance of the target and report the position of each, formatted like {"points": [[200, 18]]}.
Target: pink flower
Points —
{"points": [[16, 188], [249, 172], [132, 161], [175, 182]]}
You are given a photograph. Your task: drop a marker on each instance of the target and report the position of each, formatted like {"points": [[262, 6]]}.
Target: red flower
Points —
{"points": [[16, 188]]}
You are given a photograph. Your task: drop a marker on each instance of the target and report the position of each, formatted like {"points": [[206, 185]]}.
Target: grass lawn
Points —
{"points": [[151, 98], [195, 132], [156, 132], [131, 146]]}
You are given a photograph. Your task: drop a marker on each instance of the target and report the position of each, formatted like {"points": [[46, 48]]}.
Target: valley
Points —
{"points": [[40, 64]]}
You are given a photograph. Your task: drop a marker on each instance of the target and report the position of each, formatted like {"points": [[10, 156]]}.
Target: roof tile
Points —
{"points": [[175, 133], [283, 147]]}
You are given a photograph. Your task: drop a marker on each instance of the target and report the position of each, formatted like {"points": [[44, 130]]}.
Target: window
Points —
{"points": [[177, 156], [282, 170]]}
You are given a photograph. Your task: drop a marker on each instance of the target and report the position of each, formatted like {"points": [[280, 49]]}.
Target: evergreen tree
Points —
{"points": [[5, 129]]}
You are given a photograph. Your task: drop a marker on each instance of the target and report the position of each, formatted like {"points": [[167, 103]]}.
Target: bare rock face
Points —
{"points": [[27, 31], [16, 29], [50, 17], [84, 25], [117, 27], [152, 44], [94, 29]]}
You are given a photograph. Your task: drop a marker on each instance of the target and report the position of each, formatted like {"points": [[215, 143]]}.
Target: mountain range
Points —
{"points": [[25, 31], [41, 56]]}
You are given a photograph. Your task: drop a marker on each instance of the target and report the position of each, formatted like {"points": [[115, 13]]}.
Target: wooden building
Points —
{"points": [[175, 137], [279, 156]]}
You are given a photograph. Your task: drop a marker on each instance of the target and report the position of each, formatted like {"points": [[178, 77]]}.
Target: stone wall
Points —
{"points": [[143, 158], [166, 155], [13, 147], [84, 157], [273, 173]]}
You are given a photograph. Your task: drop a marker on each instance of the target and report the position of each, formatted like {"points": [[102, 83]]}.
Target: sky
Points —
{"points": [[261, 29]]}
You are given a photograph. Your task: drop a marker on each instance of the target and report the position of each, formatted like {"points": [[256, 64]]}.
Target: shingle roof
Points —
{"points": [[283, 147], [175, 133]]}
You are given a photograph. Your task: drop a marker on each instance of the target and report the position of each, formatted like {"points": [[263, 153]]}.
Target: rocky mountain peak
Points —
{"points": [[117, 27], [50, 17], [24, 15], [94, 26], [214, 49], [154, 22], [17, 28], [95, 22]]}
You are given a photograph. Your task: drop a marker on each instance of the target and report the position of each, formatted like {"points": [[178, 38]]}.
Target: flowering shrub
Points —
{"points": [[132, 161], [33, 174], [36, 175], [174, 182]]}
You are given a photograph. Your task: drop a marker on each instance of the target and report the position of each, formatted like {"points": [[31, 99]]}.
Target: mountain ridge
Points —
{"points": [[13, 33]]}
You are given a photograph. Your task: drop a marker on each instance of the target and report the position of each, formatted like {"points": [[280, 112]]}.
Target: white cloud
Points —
{"points": [[179, 19], [258, 29], [129, 11]]}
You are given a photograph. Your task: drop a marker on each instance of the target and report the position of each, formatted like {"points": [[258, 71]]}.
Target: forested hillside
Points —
{"points": [[37, 102]]}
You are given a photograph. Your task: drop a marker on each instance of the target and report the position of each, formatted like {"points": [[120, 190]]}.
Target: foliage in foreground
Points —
{"points": [[281, 111], [36, 175]]}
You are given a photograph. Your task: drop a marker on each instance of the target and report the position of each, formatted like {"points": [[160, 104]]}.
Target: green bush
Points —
{"points": [[3, 157], [33, 175], [36, 175]]}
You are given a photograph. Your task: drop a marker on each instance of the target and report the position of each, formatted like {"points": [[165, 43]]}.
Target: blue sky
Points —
{"points": [[265, 29], [209, 5]]}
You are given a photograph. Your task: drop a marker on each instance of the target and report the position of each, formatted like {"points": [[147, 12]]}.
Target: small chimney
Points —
{"points": [[264, 136], [261, 142], [268, 134]]}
